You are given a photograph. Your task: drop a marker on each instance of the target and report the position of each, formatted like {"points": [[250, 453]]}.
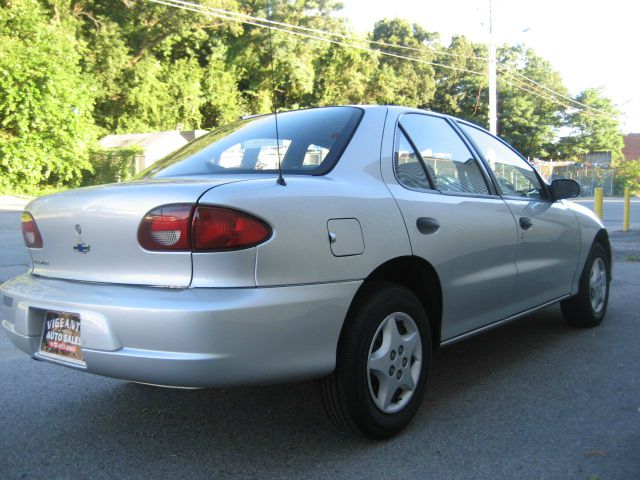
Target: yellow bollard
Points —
{"points": [[597, 202], [627, 207]]}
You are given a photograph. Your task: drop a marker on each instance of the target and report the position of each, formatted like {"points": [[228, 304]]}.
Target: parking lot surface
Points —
{"points": [[532, 400]]}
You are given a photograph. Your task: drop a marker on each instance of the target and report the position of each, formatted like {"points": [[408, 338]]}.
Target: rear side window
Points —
{"points": [[408, 165], [308, 142], [447, 159]]}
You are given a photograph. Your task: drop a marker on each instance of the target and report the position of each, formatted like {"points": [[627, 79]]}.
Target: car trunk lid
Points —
{"points": [[91, 234]]}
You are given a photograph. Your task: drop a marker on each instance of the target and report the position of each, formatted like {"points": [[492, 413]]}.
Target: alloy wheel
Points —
{"points": [[394, 362]]}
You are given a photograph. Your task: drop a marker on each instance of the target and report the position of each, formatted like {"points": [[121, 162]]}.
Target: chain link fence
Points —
{"points": [[589, 176]]}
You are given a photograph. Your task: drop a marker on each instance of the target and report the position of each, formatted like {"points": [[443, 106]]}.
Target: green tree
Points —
{"points": [[150, 62], [399, 81], [460, 92], [593, 131], [627, 175], [46, 102], [343, 76], [529, 121], [221, 100], [71, 69], [293, 57]]}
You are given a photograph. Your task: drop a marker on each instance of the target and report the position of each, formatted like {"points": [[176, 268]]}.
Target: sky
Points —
{"points": [[592, 44]]}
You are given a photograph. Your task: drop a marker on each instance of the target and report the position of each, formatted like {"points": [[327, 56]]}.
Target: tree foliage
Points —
{"points": [[397, 80], [112, 165], [73, 70], [458, 91], [627, 175], [46, 103], [593, 131], [529, 122]]}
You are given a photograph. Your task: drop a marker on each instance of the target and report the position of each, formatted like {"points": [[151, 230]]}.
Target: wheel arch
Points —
{"points": [[602, 237], [418, 276]]}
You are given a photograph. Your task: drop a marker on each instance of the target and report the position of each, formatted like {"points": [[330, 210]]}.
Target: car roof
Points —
{"points": [[399, 109]]}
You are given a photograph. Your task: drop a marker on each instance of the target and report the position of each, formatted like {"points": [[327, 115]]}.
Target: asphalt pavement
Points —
{"points": [[532, 400]]}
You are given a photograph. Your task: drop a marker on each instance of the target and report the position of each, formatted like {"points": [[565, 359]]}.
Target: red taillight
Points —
{"points": [[30, 232], [217, 228], [181, 227], [166, 228]]}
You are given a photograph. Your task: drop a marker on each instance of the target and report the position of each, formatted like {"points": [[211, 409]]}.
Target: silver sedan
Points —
{"points": [[342, 243]]}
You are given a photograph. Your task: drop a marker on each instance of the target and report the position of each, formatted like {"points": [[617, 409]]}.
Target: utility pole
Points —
{"points": [[493, 94]]}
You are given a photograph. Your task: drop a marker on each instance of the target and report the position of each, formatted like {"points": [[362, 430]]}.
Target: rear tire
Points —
{"points": [[383, 360], [589, 306]]}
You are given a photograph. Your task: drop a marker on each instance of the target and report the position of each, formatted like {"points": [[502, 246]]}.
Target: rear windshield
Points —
{"points": [[309, 142]]}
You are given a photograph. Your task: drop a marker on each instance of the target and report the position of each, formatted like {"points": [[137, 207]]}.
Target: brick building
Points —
{"points": [[631, 149]]}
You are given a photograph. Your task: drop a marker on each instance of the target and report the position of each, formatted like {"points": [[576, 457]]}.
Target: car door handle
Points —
{"points": [[427, 225], [525, 223]]}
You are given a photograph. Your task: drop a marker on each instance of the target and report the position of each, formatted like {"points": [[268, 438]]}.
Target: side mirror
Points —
{"points": [[564, 188]]}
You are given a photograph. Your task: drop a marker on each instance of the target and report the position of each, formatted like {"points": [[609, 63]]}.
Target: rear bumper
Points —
{"points": [[196, 337]]}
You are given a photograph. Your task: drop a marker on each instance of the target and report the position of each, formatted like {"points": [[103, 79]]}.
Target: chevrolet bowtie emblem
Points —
{"points": [[82, 248]]}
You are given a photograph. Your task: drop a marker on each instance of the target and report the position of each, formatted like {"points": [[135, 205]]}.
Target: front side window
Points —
{"points": [[516, 178], [447, 159], [307, 142]]}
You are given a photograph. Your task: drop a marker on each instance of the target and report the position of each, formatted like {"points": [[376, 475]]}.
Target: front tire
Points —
{"points": [[383, 360], [588, 307]]}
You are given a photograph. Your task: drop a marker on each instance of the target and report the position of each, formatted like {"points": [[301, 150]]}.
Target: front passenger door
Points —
{"points": [[548, 234]]}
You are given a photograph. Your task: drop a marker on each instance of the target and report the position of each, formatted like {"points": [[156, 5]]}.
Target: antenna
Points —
{"points": [[280, 180]]}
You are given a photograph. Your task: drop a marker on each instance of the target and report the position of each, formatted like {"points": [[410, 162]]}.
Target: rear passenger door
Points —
{"points": [[454, 218], [548, 233]]}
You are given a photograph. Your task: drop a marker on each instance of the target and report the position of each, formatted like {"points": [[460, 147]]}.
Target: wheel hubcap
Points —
{"points": [[598, 285], [394, 362]]}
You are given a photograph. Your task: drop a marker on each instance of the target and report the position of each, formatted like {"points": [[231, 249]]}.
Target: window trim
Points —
{"points": [[491, 190], [397, 127], [486, 172], [427, 174], [545, 186]]}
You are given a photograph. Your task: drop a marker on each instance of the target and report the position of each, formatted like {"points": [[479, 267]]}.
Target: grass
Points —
{"points": [[632, 258]]}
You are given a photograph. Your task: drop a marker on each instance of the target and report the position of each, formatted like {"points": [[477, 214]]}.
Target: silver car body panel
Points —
{"points": [[589, 225], [299, 252], [547, 253], [504, 321], [473, 251], [194, 337], [298, 214], [274, 312], [475, 264], [108, 218]]}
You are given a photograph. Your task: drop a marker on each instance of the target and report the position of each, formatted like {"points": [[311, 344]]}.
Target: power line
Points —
{"points": [[325, 32], [226, 14], [385, 44], [204, 11], [266, 23], [525, 87], [252, 20], [513, 72], [536, 91]]}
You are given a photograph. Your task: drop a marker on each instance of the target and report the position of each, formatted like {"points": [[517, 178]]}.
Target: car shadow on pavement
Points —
{"points": [[272, 423]]}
